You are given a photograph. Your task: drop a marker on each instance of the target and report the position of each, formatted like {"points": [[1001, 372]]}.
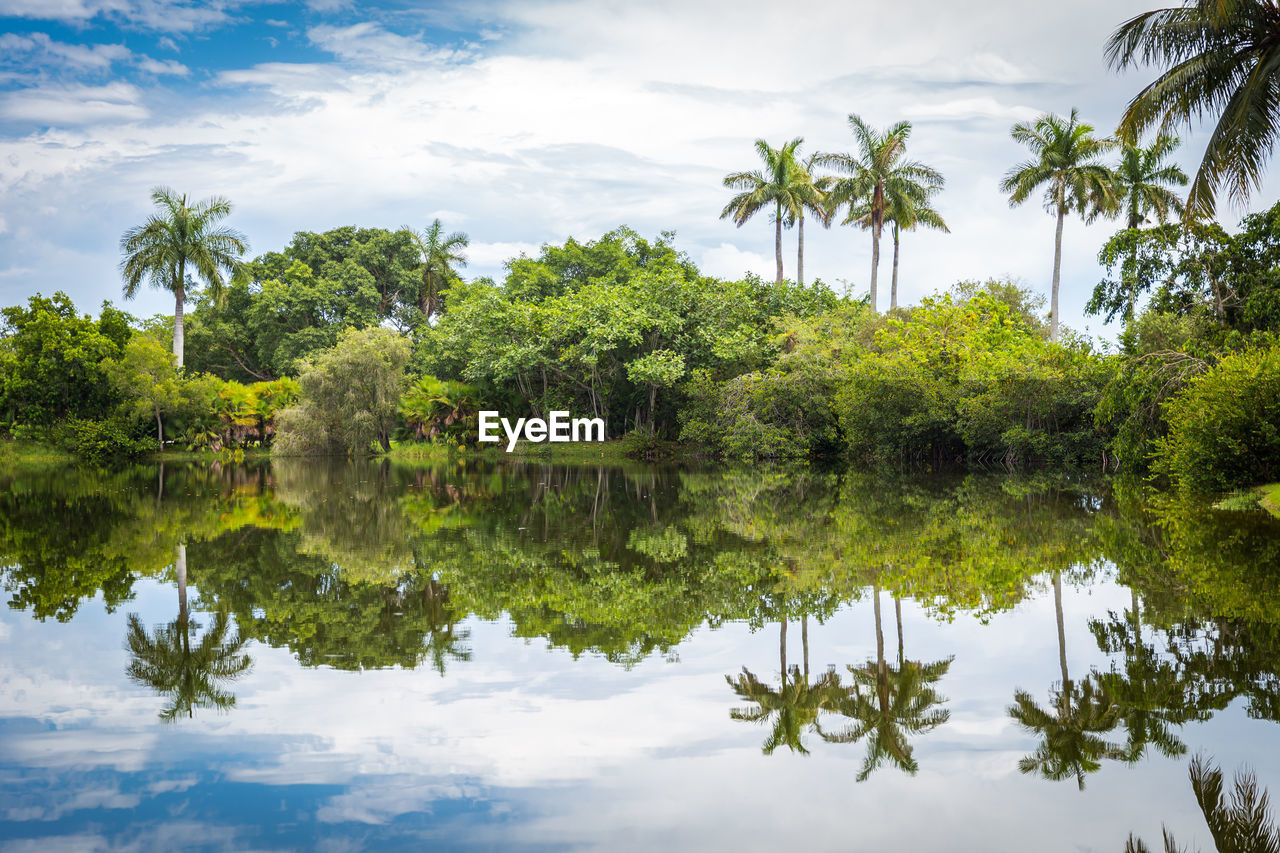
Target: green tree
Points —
{"points": [[439, 255], [350, 396], [908, 208], [1066, 161], [1143, 179], [147, 379], [1217, 58], [190, 676], [782, 183], [813, 199], [51, 360], [179, 236], [875, 176]]}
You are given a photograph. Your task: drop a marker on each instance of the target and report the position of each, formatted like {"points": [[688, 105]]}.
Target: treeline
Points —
{"points": [[305, 353]]}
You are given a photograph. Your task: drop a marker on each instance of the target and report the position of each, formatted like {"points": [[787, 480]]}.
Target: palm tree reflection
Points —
{"points": [[890, 704], [190, 674]]}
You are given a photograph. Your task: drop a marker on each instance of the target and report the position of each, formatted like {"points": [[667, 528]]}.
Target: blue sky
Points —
{"points": [[527, 122]]}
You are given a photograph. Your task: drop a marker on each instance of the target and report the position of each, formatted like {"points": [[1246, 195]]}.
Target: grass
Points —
{"points": [[1269, 498], [14, 452]]}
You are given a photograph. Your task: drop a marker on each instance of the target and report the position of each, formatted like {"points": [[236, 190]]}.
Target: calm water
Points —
{"points": [[307, 657]]}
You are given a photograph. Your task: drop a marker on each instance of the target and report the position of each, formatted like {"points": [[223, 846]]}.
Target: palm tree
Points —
{"points": [[439, 255], [782, 183], [876, 175], [181, 238], [1239, 824], [907, 211], [1220, 57], [889, 704], [813, 197], [1143, 178], [1066, 162]]}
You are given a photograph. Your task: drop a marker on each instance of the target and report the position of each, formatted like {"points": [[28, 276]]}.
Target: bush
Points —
{"points": [[100, 442], [1224, 427]]}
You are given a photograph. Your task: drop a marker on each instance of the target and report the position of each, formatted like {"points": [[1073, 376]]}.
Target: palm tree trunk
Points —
{"points": [[893, 289], [178, 294], [800, 251], [1057, 275], [159, 429], [875, 262], [777, 241]]}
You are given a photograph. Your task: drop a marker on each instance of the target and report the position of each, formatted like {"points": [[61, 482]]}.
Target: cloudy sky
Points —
{"points": [[527, 122]]}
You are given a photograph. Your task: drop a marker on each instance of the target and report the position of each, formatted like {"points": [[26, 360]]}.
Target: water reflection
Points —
{"points": [[370, 567], [1239, 820]]}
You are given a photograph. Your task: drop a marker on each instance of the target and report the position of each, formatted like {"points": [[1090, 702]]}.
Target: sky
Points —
{"points": [[524, 123]]}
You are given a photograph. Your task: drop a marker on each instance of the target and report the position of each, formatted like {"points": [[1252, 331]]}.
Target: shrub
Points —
{"points": [[100, 442], [1224, 427]]}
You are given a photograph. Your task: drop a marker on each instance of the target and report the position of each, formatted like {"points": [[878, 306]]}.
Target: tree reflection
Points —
{"points": [[1239, 822], [890, 704]]}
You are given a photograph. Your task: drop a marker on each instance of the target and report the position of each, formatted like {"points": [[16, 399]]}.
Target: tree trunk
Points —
{"points": [[777, 241], [159, 430], [875, 262], [893, 289], [879, 633], [179, 294], [800, 251], [1057, 275]]}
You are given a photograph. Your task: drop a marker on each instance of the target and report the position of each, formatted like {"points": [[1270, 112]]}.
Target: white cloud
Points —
{"points": [[729, 262], [163, 66], [367, 43], [97, 57], [73, 105]]}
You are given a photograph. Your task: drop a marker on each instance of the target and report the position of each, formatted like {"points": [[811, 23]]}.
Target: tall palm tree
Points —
{"points": [[1143, 178], [875, 175], [1219, 57], [439, 255], [178, 242], [813, 198], [907, 210], [793, 707], [782, 183], [1066, 161]]}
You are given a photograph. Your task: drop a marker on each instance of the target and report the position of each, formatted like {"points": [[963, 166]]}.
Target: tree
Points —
{"points": [[1066, 162], [440, 254], [1143, 178], [908, 209], [51, 360], [191, 677], [160, 250], [782, 182], [147, 378], [1219, 57], [813, 198], [876, 175], [350, 396]]}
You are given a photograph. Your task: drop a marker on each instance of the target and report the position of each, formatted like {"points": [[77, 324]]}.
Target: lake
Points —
{"points": [[300, 655]]}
